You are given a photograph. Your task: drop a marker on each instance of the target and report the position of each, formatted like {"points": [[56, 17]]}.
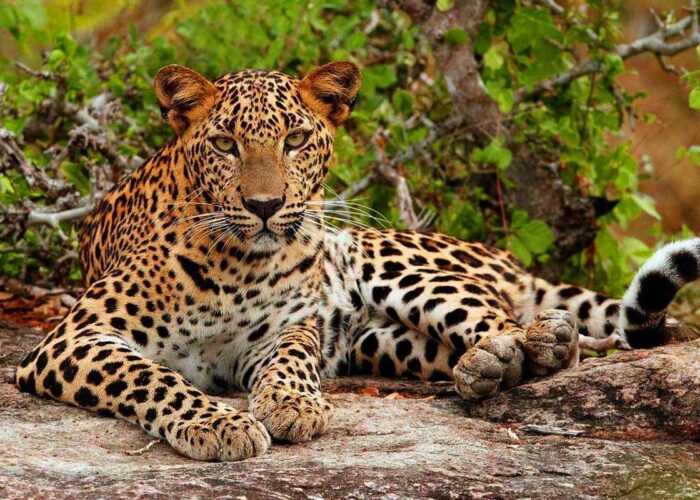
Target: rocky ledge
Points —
{"points": [[626, 425]]}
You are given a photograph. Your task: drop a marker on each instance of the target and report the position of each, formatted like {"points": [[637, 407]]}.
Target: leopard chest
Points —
{"points": [[341, 311], [216, 328]]}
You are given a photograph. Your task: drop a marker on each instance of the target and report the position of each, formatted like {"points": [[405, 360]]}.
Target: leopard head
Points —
{"points": [[257, 144]]}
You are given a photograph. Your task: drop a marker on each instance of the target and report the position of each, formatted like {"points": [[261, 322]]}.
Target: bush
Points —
{"points": [[87, 116]]}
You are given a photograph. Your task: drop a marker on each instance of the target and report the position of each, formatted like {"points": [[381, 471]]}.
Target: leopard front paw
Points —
{"points": [[227, 435], [551, 342], [290, 415], [493, 364]]}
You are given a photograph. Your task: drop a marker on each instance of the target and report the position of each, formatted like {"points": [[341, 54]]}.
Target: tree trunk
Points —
{"points": [[537, 186]]}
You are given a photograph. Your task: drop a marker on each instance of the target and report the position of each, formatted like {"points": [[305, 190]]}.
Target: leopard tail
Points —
{"points": [[642, 317]]}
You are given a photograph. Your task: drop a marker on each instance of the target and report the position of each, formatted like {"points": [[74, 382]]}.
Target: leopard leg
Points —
{"points": [[546, 345], [495, 361], [286, 392], [449, 307], [96, 369], [384, 347], [471, 315], [551, 342]]}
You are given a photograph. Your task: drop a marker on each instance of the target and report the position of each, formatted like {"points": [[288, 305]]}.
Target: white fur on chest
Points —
{"points": [[222, 332], [340, 316]]}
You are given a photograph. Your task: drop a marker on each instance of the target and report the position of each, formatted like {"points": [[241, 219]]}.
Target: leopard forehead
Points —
{"points": [[257, 105]]}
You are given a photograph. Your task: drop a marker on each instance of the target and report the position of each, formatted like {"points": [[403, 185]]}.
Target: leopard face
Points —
{"points": [[258, 145]]}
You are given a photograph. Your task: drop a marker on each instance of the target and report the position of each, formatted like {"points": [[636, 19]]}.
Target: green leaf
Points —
{"points": [[494, 154], [520, 250], [647, 204], [536, 236], [77, 175], [444, 5], [403, 101], [529, 26], [693, 154], [493, 59], [379, 76], [456, 36], [694, 98]]}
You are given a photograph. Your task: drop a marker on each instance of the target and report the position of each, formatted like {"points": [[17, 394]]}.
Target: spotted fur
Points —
{"points": [[209, 267], [643, 311]]}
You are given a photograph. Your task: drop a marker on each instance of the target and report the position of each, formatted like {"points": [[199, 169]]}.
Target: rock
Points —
{"points": [[634, 394], [408, 440]]}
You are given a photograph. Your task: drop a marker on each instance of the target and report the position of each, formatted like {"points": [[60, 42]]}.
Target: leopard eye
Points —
{"points": [[295, 140], [225, 145]]}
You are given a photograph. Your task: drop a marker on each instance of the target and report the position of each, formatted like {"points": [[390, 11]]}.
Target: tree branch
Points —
{"points": [[63, 201], [358, 187], [53, 218], [656, 43], [390, 174], [553, 6], [387, 170], [35, 177]]}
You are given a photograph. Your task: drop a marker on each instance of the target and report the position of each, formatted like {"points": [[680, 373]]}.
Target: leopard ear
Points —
{"points": [[185, 96], [331, 90]]}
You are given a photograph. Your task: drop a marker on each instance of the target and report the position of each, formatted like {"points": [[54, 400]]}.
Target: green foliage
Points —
{"points": [[519, 44], [529, 238]]}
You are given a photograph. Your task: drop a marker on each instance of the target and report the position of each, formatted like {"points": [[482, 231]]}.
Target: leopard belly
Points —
{"points": [[220, 355]]}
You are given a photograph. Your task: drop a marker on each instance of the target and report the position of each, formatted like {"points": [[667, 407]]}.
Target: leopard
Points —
{"points": [[211, 267]]}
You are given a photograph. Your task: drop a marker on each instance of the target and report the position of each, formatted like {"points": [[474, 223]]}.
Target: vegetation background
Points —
{"points": [[77, 113]]}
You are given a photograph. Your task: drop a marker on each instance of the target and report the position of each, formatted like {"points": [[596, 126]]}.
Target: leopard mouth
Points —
{"points": [[266, 240], [265, 234]]}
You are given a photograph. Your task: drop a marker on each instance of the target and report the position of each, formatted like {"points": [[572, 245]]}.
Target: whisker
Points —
{"points": [[197, 216], [213, 245], [205, 226]]}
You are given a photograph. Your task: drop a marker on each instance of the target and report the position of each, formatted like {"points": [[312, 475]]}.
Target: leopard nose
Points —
{"points": [[263, 208]]}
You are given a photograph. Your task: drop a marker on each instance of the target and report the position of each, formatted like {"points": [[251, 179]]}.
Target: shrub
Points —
{"points": [[85, 116]]}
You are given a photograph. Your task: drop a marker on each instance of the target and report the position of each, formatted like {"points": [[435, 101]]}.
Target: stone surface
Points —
{"points": [[397, 439]]}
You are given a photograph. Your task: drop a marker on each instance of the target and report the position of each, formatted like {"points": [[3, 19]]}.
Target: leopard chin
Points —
{"points": [[266, 241]]}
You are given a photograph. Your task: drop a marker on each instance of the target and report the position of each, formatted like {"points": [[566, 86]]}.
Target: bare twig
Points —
{"points": [[550, 430], [3, 89], [53, 218], [142, 450], [35, 177], [391, 175], [561, 12], [553, 6], [657, 43], [21, 289], [44, 75], [373, 22], [387, 170], [358, 187]]}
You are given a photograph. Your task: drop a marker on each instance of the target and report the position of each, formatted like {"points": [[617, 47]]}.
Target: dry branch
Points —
{"points": [[387, 170], [657, 43], [391, 175], [34, 176], [553, 6], [63, 202]]}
